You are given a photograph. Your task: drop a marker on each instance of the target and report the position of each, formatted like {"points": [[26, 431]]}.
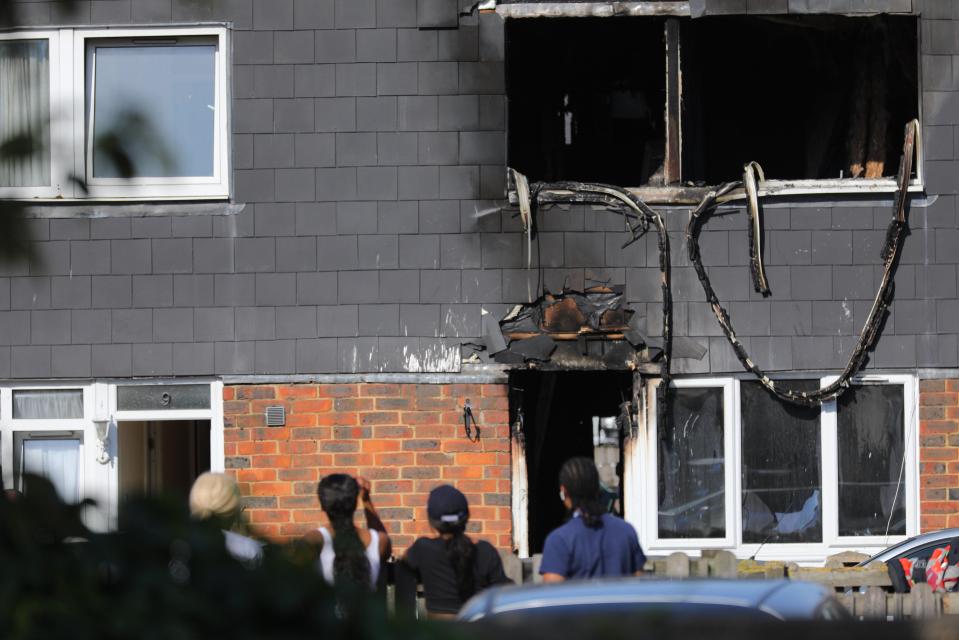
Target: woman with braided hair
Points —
{"points": [[592, 543], [451, 566], [349, 554]]}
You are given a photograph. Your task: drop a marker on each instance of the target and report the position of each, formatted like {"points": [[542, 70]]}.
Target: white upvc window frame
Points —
{"points": [[91, 477], [910, 407], [832, 542], [21, 436], [650, 529], [61, 135], [215, 186], [71, 75]]}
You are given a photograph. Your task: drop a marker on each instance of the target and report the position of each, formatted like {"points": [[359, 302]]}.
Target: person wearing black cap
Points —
{"points": [[451, 567], [592, 543]]}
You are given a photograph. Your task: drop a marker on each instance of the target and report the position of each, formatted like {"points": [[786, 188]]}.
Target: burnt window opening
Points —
{"points": [[568, 414], [808, 97], [650, 101], [586, 99]]}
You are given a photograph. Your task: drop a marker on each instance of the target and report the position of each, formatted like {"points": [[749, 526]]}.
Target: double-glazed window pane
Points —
{"points": [[781, 467], [691, 466], [153, 110], [57, 460], [871, 472], [24, 113], [47, 404]]}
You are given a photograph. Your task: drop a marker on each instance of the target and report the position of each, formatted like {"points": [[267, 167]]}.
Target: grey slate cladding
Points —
{"points": [[369, 150]]}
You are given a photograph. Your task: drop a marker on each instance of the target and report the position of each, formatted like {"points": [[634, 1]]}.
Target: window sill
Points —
{"points": [[675, 195], [114, 209], [802, 553]]}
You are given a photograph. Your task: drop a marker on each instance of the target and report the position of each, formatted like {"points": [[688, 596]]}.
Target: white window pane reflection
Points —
{"points": [[154, 111], [57, 460], [691, 466], [48, 404], [25, 113]]}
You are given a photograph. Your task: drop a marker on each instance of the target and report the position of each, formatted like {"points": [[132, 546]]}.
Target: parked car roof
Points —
{"points": [[778, 599], [906, 547]]}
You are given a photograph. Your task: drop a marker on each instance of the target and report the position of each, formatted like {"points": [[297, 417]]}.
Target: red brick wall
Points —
{"points": [[406, 438], [938, 454]]}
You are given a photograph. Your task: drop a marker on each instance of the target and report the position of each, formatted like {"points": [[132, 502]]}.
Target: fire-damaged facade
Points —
{"points": [[709, 244]]}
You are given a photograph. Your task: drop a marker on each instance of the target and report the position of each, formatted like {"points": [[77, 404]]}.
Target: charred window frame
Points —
{"points": [[814, 99], [860, 477]]}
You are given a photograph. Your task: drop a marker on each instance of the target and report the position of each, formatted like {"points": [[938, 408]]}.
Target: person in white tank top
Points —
{"points": [[348, 553]]}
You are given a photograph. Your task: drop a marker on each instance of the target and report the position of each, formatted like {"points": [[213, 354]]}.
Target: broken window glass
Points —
{"points": [[871, 438], [587, 99], [691, 466], [808, 97], [781, 466]]}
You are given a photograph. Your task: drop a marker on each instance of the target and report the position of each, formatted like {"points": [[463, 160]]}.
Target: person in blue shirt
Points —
{"points": [[592, 543]]}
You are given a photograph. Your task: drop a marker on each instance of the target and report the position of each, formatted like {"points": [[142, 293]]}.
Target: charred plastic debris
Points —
{"points": [[578, 330], [595, 330]]}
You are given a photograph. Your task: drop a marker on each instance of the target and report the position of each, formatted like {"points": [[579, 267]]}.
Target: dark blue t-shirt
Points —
{"points": [[577, 551]]}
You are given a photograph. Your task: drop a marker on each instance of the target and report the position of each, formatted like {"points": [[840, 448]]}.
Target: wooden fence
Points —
{"points": [[863, 590]]}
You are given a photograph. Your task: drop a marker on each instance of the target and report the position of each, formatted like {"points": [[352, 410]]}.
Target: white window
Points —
{"points": [[54, 455], [693, 469], [736, 468], [109, 441], [44, 431], [115, 114]]}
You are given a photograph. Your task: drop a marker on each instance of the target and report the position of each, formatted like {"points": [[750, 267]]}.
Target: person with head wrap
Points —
{"points": [[592, 543], [215, 496], [451, 566]]}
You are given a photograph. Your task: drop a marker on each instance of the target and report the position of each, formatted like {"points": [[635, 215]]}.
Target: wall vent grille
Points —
{"points": [[275, 416]]}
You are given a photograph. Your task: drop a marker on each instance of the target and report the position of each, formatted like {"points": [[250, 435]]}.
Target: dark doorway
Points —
{"points": [[161, 458], [567, 414]]}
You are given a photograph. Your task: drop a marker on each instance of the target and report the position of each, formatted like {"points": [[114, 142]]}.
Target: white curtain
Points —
{"points": [[25, 110], [56, 460], [49, 404]]}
